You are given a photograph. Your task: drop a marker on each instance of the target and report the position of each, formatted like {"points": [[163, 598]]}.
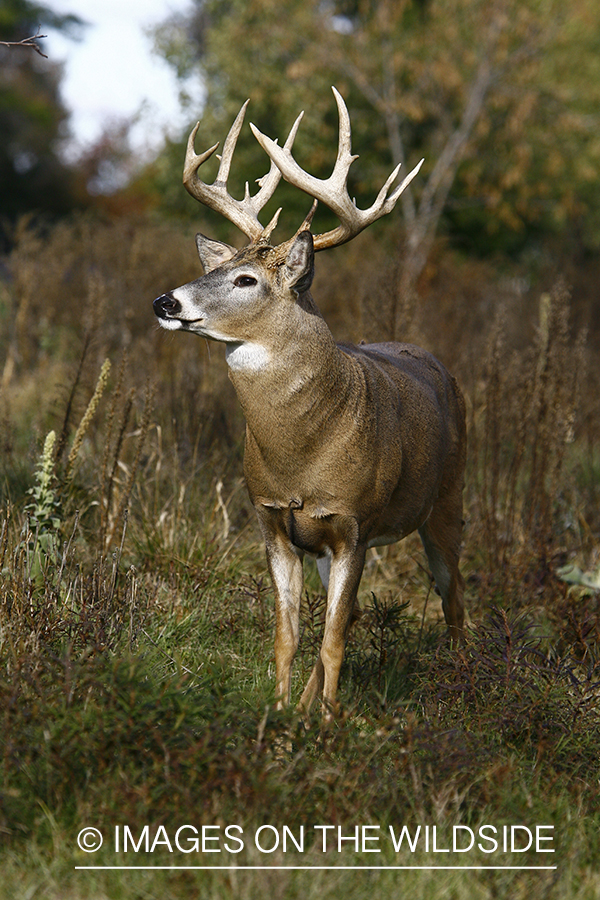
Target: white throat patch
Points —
{"points": [[247, 357]]}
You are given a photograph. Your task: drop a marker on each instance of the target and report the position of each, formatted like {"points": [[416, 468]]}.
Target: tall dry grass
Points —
{"points": [[77, 297]]}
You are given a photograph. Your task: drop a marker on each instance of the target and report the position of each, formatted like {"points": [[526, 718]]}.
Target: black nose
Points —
{"points": [[166, 305]]}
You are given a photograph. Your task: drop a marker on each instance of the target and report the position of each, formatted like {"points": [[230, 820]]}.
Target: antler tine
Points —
{"points": [[192, 159], [269, 182], [345, 157], [403, 184], [242, 213], [274, 173], [230, 144], [333, 191]]}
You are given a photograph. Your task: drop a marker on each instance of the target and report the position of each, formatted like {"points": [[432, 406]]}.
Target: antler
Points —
{"points": [[333, 191], [243, 213]]}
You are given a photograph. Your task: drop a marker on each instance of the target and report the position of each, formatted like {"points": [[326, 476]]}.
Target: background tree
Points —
{"points": [[33, 120], [488, 93]]}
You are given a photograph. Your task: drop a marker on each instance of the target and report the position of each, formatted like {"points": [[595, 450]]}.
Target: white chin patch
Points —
{"points": [[170, 324]]}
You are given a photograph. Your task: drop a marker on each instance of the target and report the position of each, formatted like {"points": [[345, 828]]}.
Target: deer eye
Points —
{"points": [[245, 281]]}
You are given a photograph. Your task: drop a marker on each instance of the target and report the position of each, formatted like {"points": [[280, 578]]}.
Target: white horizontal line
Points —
{"points": [[323, 868]]}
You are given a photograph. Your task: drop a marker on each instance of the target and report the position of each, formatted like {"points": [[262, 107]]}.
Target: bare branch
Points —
{"points": [[440, 181], [27, 42]]}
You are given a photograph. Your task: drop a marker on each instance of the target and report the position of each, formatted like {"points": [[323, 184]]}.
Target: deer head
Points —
{"points": [[244, 214]]}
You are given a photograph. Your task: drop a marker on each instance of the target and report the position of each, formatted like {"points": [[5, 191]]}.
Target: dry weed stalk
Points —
{"points": [[64, 432], [87, 418], [490, 450], [520, 437], [4, 536], [221, 505], [111, 517], [107, 479], [25, 285]]}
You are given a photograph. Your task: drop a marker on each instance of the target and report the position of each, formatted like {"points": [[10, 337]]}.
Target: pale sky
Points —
{"points": [[112, 71]]}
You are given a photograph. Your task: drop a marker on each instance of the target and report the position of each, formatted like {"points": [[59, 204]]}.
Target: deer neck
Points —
{"points": [[291, 381]]}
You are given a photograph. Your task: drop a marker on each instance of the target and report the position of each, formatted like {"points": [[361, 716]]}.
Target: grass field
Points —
{"points": [[136, 614]]}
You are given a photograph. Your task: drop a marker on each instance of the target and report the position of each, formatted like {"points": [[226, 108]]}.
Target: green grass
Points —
{"points": [[126, 711]]}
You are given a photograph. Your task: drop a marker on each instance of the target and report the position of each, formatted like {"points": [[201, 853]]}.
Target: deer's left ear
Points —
{"points": [[299, 265], [213, 253]]}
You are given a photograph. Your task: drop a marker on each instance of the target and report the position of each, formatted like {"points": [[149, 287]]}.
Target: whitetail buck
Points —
{"points": [[347, 447]]}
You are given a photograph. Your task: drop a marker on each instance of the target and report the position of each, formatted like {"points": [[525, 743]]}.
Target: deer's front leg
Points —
{"points": [[285, 566], [344, 579]]}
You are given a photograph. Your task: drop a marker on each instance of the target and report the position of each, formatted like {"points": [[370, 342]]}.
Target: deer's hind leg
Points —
{"points": [[441, 535]]}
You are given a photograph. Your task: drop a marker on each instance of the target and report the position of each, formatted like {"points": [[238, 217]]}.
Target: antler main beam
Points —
{"points": [[242, 213], [333, 191]]}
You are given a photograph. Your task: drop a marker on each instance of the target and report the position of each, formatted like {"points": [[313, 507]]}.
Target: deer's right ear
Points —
{"points": [[299, 266], [213, 253]]}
